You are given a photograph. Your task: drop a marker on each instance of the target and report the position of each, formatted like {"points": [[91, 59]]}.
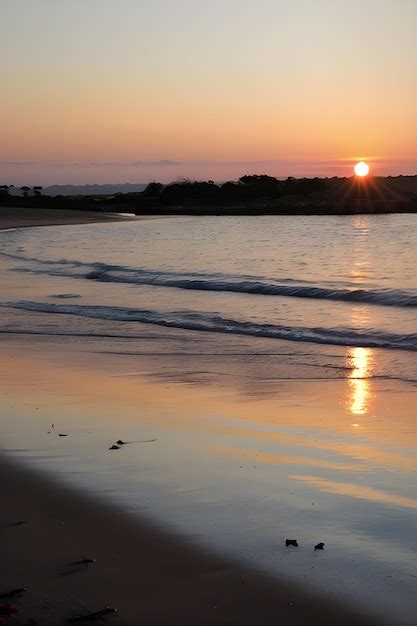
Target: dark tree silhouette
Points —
{"points": [[4, 189], [187, 191], [233, 192], [153, 189], [256, 179], [261, 185], [4, 192], [303, 186], [25, 190], [37, 190]]}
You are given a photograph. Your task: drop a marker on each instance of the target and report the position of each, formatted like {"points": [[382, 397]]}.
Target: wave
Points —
{"points": [[194, 321], [199, 281], [387, 297]]}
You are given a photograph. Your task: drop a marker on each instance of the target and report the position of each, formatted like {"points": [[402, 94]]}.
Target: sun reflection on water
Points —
{"points": [[360, 361]]}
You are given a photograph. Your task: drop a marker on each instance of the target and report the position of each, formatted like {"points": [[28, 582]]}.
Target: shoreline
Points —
{"points": [[14, 217], [147, 573]]}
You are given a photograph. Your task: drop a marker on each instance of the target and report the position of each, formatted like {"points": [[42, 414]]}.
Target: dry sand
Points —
{"points": [[13, 217], [151, 576]]}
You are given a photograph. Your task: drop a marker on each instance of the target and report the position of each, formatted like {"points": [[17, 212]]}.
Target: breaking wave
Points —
{"points": [[282, 287], [189, 320]]}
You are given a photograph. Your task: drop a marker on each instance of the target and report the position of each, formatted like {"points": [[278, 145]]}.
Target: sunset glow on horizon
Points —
{"points": [[215, 90]]}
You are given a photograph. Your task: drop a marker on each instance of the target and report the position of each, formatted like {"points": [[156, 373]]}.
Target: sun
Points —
{"points": [[361, 169]]}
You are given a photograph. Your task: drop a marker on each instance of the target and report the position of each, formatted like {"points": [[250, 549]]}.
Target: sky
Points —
{"points": [[113, 91]]}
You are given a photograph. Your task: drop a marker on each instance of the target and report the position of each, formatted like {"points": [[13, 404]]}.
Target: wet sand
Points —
{"points": [[16, 217], [150, 576]]}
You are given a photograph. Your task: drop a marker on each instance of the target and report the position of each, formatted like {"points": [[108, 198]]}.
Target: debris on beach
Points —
{"points": [[120, 442], [8, 609], [114, 447], [92, 616], [87, 560], [13, 593], [64, 296], [319, 546], [19, 523], [84, 561], [62, 435], [291, 542]]}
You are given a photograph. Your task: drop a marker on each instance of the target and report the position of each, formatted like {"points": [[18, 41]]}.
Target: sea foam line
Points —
{"points": [[194, 321]]}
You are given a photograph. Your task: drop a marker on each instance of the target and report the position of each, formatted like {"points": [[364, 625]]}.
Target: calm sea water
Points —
{"points": [[274, 361]]}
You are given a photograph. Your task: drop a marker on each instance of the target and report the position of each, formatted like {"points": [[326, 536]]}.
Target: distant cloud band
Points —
{"points": [[168, 163]]}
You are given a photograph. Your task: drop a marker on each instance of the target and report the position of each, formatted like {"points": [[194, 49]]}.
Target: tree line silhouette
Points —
{"points": [[247, 188], [256, 194], [36, 190]]}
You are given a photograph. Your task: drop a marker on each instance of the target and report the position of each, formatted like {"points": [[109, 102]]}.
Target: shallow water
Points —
{"points": [[273, 359]]}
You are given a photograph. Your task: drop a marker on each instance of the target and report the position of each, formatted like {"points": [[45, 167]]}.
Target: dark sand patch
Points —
{"points": [[150, 576]]}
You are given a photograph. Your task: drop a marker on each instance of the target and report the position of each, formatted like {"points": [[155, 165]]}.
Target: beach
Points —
{"points": [[18, 217], [208, 313], [239, 433], [150, 576]]}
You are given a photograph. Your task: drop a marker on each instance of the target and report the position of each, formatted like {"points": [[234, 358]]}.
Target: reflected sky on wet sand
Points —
{"points": [[323, 461]]}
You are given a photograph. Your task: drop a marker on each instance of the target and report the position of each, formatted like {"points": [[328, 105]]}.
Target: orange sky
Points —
{"points": [[306, 86]]}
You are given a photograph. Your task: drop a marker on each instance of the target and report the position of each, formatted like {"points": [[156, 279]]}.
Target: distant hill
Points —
{"points": [[92, 190], [86, 190]]}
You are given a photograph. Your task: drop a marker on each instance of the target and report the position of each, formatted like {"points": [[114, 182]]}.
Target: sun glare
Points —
{"points": [[361, 169]]}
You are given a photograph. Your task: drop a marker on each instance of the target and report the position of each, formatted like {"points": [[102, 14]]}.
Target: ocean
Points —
{"points": [[264, 369]]}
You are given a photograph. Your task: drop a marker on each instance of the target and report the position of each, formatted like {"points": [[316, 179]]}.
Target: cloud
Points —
{"points": [[167, 163], [163, 163], [17, 163]]}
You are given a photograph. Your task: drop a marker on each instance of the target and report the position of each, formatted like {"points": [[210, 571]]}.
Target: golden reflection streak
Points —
{"points": [[27, 382], [360, 362], [359, 492], [283, 459]]}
